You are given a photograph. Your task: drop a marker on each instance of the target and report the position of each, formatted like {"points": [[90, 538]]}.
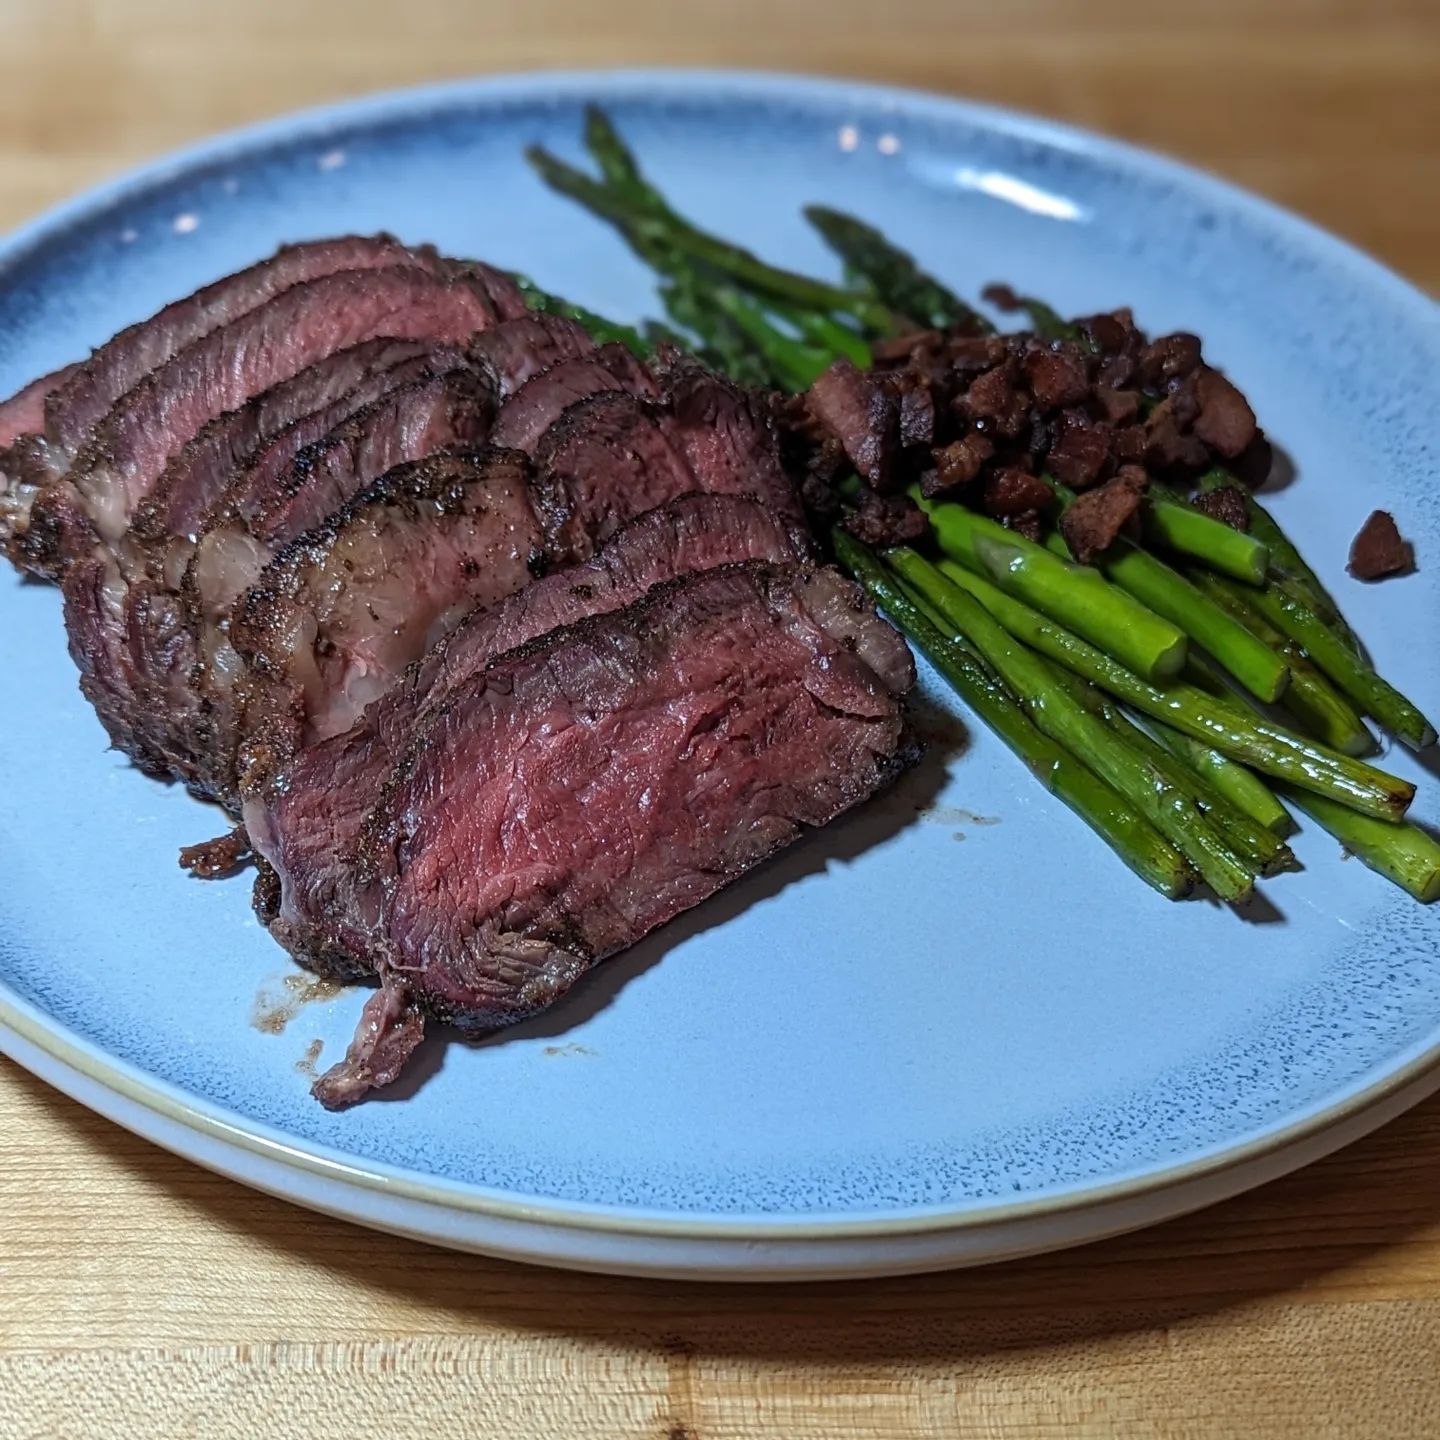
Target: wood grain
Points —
{"points": [[140, 1296]]}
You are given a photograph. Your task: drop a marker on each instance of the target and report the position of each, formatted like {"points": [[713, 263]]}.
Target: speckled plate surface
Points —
{"points": [[947, 1029]]}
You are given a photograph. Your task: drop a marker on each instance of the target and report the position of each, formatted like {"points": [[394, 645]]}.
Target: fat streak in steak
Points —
{"points": [[307, 822], [606, 778], [339, 614], [127, 452]]}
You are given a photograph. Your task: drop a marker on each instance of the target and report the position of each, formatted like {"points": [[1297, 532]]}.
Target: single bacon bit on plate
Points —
{"points": [[1379, 550]]}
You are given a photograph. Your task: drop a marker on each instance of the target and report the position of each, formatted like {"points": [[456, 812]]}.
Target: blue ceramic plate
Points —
{"points": [[951, 1027]]}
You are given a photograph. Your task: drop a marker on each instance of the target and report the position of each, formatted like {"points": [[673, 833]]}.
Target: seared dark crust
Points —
{"points": [[469, 397], [546, 395]]}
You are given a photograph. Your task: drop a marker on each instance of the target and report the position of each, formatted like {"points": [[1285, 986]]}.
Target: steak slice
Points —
{"points": [[159, 644], [615, 456], [322, 394], [127, 452], [79, 405], [307, 823], [516, 350], [413, 421], [84, 394], [539, 403], [24, 412], [724, 435], [611, 775], [339, 613]]}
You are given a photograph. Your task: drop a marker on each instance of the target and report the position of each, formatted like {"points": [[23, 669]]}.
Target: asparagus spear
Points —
{"points": [[1287, 566], [1128, 834], [1403, 853], [1081, 597], [892, 274], [1187, 531], [1298, 604], [828, 333], [1050, 704], [1318, 708], [1326, 647], [1253, 741], [1252, 844], [1244, 789], [649, 223], [1168, 593], [1047, 321]]}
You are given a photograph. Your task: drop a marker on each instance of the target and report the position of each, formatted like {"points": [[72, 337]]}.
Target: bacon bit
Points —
{"points": [[1093, 521], [1379, 550], [216, 859]]}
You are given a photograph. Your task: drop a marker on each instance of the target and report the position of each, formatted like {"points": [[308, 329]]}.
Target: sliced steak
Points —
{"points": [[127, 452], [307, 823], [540, 402], [322, 394], [406, 423], [615, 457], [160, 651], [728, 443], [518, 349], [84, 394], [121, 363], [721, 716], [24, 412], [339, 614], [411, 422]]}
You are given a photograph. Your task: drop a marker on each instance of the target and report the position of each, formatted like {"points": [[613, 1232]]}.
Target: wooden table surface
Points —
{"points": [[142, 1296]]}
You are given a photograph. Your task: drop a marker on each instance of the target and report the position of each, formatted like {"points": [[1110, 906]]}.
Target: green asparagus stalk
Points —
{"points": [[1252, 740], [893, 275], [1047, 321], [1075, 594], [1187, 531], [1241, 787], [650, 225], [1168, 593], [1128, 834], [1287, 566], [1319, 709], [827, 333], [1251, 843], [1405, 853], [792, 362], [1049, 703], [1354, 676]]}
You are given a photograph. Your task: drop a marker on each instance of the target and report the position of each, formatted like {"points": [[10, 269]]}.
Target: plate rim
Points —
{"points": [[205, 1118]]}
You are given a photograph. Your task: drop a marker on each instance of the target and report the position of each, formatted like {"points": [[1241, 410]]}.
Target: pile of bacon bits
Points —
{"points": [[978, 418]]}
